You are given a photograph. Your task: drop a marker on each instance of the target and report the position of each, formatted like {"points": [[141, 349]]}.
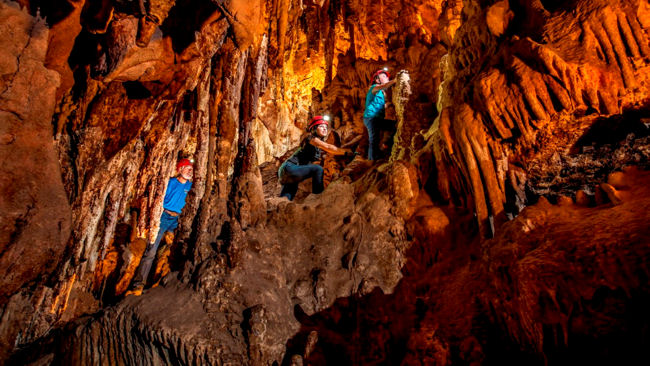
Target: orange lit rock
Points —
{"points": [[248, 21], [35, 212], [61, 42], [135, 253], [127, 62], [498, 17]]}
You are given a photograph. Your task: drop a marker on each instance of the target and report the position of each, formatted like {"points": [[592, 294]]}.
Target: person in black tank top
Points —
{"points": [[300, 165]]}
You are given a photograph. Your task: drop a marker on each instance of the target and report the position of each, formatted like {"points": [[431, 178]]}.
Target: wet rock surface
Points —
{"points": [[507, 223]]}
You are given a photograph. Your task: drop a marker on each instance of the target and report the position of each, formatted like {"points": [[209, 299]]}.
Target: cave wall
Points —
{"points": [[503, 102], [36, 215], [521, 89]]}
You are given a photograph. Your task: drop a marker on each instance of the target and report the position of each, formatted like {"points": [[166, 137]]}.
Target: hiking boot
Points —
{"points": [[145, 30], [136, 291]]}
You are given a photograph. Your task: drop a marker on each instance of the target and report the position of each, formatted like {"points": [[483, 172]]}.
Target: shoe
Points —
{"points": [[136, 291], [145, 31]]}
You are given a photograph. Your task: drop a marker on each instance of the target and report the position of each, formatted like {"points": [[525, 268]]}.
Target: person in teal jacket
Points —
{"points": [[173, 204], [375, 112]]}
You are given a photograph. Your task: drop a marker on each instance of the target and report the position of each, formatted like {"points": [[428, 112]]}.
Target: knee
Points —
{"points": [[318, 171]]}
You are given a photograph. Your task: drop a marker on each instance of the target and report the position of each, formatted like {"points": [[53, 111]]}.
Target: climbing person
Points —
{"points": [[300, 165], [152, 15], [375, 112], [174, 201]]}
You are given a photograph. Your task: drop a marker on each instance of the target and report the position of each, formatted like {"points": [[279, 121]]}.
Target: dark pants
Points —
{"points": [[167, 223], [375, 126], [293, 174]]}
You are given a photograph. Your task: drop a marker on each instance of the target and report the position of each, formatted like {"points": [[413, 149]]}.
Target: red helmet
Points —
{"points": [[318, 120], [384, 70], [183, 162]]}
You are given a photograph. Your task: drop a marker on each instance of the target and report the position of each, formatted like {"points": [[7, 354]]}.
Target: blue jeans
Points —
{"points": [[293, 174], [167, 223], [375, 125]]}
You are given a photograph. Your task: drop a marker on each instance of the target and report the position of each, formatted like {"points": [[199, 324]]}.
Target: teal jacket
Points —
{"points": [[375, 104]]}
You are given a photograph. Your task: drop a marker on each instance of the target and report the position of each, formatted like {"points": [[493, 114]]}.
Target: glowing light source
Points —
{"points": [[326, 117]]}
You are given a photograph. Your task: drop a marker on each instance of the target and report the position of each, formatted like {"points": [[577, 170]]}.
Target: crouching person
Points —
{"points": [[300, 165], [173, 204]]}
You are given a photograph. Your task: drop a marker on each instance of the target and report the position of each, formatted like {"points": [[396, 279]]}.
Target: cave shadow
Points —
{"points": [[376, 328], [614, 130], [106, 291], [608, 145], [185, 19], [611, 327]]}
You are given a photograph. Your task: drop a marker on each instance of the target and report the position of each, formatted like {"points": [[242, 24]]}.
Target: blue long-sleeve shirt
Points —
{"points": [[176, 194]]}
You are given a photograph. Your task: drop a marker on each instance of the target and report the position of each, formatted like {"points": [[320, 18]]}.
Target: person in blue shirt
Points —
{"points": [[173, 204], [300, 165], [375, 112]]}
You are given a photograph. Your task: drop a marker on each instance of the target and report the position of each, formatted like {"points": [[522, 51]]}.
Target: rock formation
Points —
{"points": [[508, 225]]}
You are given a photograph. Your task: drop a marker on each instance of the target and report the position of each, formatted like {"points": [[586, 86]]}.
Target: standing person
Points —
{"points": [[300, 165], [173, 204], [375, 112]]}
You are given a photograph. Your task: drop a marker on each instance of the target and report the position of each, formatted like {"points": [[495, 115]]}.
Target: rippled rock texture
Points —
{"points": [[507, 225]]}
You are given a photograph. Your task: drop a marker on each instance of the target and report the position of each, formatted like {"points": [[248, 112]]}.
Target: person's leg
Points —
{"points": [[373, 138], [316, 173], [298, 173], [289, 179], [289, 190], [388, 129], [148, 257], [167, 223]]}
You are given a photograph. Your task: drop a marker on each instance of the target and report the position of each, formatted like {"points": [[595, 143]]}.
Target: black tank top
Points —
{"points": [[307, 153]]}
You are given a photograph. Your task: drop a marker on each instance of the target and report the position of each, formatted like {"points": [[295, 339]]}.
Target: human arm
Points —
{"points": [[352, 142], [334, 150], [379, 87]]}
